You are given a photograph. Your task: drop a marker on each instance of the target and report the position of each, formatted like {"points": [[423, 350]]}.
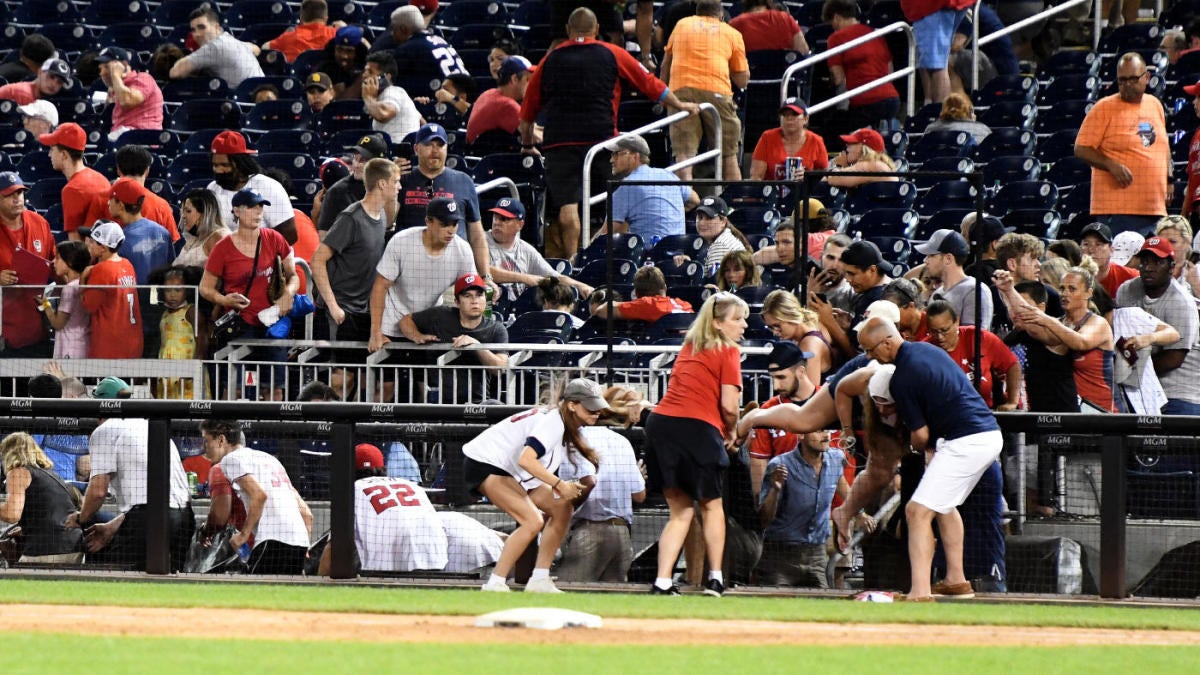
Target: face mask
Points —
{"points": [[227, 181]]}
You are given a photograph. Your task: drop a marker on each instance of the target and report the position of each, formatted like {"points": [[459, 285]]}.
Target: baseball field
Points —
{"points": [[155, 627]]}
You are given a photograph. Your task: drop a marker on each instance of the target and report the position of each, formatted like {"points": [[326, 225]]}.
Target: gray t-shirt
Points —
{"points": [[1178, 310], [961, 297], [419, 278], [227, 58], [459, 385], [522, 257], [357, 241]]}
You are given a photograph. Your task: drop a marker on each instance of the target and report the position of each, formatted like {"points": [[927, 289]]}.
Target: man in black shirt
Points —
{"points": [[351, 189]]}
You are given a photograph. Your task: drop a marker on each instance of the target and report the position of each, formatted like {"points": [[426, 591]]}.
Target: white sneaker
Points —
{"points": [[542, 586], [498, 587]]}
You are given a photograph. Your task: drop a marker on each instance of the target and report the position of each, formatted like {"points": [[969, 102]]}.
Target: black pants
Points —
{"points": [[128, 546], [276, 557]]}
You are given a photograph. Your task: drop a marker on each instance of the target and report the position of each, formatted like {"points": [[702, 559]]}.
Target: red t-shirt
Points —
{"points": [[1117, 275], [23, 325], [863, 64], [23, 93], [232, 267], [307, 239], [493, 110], [117, 331], [994, 360], [219, 486], [652, 308], [768, 443], [81, 191], [771, 151], [302, 38], [695, 388], [772, 29], [1193, 171], [154, 208]]}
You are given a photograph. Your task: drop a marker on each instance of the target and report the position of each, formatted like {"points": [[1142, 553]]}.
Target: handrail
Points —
{"points": [[910, 71], [502, 181], [978, 42], [585, 231]]}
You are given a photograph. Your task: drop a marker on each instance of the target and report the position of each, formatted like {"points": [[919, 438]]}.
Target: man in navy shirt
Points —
{"points": [[944, 413]]}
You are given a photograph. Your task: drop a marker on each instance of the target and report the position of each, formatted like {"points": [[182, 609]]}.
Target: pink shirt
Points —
{"points": [[146, 115], [72, 341]]}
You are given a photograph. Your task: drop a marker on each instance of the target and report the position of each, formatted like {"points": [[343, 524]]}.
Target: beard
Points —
{"points": [[227, 181]]}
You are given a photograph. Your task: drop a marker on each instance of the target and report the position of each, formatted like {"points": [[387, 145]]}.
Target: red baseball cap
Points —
{"points": [[866, 136], [426, 6], [1192, 89], [469, 280], [367, 456], [231, 143], [69, 135], [1158, 246], [128, 191]]}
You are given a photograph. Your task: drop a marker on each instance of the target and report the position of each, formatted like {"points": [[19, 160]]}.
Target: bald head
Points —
{"points": [[877, 329], [582, 23]]}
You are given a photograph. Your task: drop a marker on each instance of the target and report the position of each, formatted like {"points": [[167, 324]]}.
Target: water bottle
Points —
{"points": [[244, 552], [488, 293]]}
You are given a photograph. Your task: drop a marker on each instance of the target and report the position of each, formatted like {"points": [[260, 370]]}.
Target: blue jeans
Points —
{"points": [[1177, 406], [1118, 223]]}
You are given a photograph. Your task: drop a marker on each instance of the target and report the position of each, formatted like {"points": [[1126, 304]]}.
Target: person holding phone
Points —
{"points": [[391, 109]]}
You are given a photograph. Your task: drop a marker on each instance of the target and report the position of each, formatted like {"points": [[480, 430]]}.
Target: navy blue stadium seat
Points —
{"points": [[924, 116], [627, 246], [464, 12], [1130, 37], [298, 165], [1071, 62], [1031, 194], [940, 143], [1067, 87], [1064, 116], [957, 165], [1006, 141], [881, 195], [201, 141], [278, 114], [539, 326], [189, 167], [950, 194], [342, 116], [137, 36], [100, 14], [595, 273], [1011, 168], [895, 250], [175, 12], [686, 273], [689, 244], [346, 10], [71, 38], [1069, 172], [44, 192], [532, 13], [693, 294], [289, 88], [16, 141], [258, 33], [755, 219], [896, 144], [1041, 223], [1057, 146], [1021, 88], [287, 140], [206, 113], [479, 35], [1010, 114], [175, 92], [274, 63], [380, 16], [946, 219], [670, 326], [894, 222], [524, 170], [1075, 203], [35, 166], [40, 13], [246, 13]]}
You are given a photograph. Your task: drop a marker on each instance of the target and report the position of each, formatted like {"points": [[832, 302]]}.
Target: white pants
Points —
{"points": [[956, 467]]}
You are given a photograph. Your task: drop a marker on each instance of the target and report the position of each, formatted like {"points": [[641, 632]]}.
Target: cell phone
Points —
{"points": [[822, 297], [405, 151]]}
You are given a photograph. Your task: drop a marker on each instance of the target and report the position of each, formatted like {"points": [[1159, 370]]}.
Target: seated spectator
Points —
{"points": [[712, 223], [318, 91], [137, 100], [219, 54], [959, 115], [514, 261], [786, 318], [501, 50], [457, 91], [764, 25], [649, 211], [70, 321], [35, 50], [147, 243], [650, 301], [39, 501], [39, 117], [51, 78], [264, 92], [553, 295], [313, 31], [344, 62], [790, 140], [779, 260], [116, 314], [498, 109], [392, 111], [737, 270], [203, 227], [163, 59], [996, 360], [864, 151]]}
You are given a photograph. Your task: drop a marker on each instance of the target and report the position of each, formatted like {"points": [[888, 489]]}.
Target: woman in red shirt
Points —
{"points": [[690, 430], [790, 139]]}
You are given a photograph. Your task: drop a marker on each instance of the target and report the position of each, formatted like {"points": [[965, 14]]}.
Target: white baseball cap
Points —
{"points": [[883, 309], [106, 233], [41, 109], [1124, 246], [880, 385]]}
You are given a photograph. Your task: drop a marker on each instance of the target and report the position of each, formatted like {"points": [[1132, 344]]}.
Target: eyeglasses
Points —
{"points": [[943, 332], [870, 350], [718, 298], [1132, 78]]}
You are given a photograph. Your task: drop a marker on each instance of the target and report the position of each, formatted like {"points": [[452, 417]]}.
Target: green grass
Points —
{"points": [[463, 602], [34, 653]]}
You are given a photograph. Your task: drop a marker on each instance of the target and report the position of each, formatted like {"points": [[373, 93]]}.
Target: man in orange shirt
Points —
{"points": [[133, 162], [23, 333], [312, 33], [116, 314], [1124, 139], [705, 58], [651, 302], [84, 185]]}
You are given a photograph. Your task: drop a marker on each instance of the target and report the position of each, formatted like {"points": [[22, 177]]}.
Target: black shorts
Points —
{"points": [[474, 473], [690, 455], [564, 176]]}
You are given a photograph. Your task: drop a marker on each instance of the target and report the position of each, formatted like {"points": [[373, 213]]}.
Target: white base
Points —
{"points": [[540, 618]]}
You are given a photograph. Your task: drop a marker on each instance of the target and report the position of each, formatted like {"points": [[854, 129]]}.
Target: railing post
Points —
{"points": [[1113, 493], [158, 491], [341, 502]]}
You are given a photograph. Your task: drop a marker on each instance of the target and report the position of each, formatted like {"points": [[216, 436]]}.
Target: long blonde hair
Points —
{"points": [[20, 450], [870, 154], [703, 335], [784, 306]]}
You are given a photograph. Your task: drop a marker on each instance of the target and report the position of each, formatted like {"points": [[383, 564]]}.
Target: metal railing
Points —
{"points": [[610, 144], [909, 71], [978, 42]]}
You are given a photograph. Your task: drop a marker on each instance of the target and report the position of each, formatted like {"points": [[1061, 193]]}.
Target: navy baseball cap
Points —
{"points": [[785, 355], [348, 36], [509, 208], [513, 65], [444, 209], [112, 54], [11, 182], [430, 132], [249, 198]]}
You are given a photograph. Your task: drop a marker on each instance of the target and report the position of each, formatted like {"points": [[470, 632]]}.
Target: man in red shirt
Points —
{"points": [[995, 358], [787, 365], [23, 333], [312, 33], [54, 75], [858, 66], [1193, 165], [110, 296], [499, 108], [1096, 241], [133, 161], [84, 185], [650, 301]]}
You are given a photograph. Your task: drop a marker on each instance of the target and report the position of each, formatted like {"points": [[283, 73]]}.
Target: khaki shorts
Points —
{"points": [[686, 134]]}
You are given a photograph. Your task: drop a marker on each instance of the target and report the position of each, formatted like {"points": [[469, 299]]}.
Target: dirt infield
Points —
{"points": [[281, 625]]}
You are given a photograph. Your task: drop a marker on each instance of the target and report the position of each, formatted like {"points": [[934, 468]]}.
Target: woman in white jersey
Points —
{"points": [[276, 515], [514, 463]]}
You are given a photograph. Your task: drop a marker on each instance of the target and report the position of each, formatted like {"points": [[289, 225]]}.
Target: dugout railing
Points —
{"points": [[1122, 525]]}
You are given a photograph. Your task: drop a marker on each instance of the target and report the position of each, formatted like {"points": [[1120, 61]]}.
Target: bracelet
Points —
{"points": [[556, 483]]}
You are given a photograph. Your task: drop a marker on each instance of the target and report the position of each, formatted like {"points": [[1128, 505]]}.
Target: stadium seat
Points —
{"points": [[1007, 169], [1069, 172], [1131, 37], [1019, 88], [33, 14], [276, 115], [950, 194], [287, 140], [341, 116], [670, 326], [174, 12], [43, 192], [175, 92], [689, 244], [1057, 146], [1070, 62], [189, 167], [882, 194], [895, 250], [1031, 194], [206, 113], [1006, 141], [35, 166], [101, 14], [532, 13], [437, 112], [298, 165], [595, 273], [538, 326], [304, 64], [479, 35], [755, 219], [245, 13], [1064, 116], [1009, 114], [1067, 87], [896, 144], [138, 37], [627, 246], [686, 273], [289, 89], [346, 10], [465, 12], [16, 141], [1075, 203], [925, 115], [950, 165], [940, 143], [1041, 223], [524, 170], [71, 38], [892, 222], [946, 219]]}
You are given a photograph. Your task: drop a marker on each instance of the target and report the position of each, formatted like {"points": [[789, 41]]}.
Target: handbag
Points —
{"points": [[231, 324]]}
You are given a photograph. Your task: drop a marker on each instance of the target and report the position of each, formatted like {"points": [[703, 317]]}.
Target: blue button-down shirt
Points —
{"points": [[802, 510]]}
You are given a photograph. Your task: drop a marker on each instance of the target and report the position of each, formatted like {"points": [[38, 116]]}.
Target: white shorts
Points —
{"points": [[956, 467]]}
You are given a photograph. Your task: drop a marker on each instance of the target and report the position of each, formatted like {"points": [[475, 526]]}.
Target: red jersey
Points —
{"points": [[232, 267], [78, 195], [995, 358], [652, 308], [865, 63], [768, 443], [23, 325], [302, 38], [694, 391], [770, 29], [770, 151], [1193, 171], [1117, 275], [117, 331]]}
